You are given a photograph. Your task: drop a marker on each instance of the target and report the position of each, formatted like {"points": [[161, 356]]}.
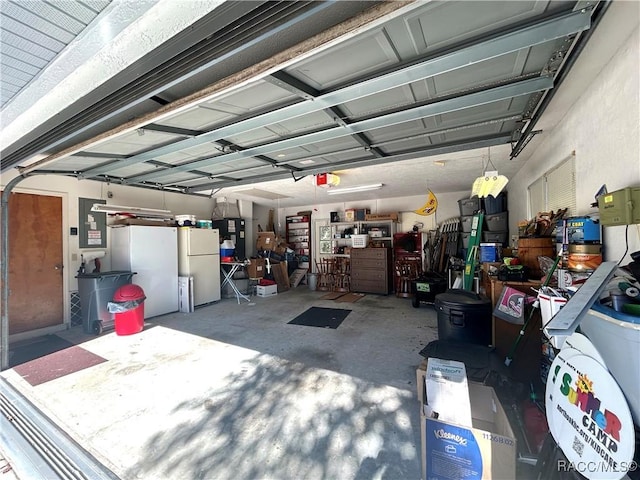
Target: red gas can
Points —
{"points": [[132, 320]]}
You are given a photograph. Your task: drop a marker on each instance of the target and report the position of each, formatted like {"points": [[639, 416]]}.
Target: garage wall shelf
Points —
{"points": [[299, 237], [335, 238]]}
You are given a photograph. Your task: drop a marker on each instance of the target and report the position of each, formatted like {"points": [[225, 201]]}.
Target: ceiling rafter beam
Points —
{"points": [[443, 131], [111, 156], [528, 36], [367, 162], [228, 147], [437, 108], [185, 132], [292, 85], [214, 178], [299, 88], [359, 137], [237, 148], [397, 140]]}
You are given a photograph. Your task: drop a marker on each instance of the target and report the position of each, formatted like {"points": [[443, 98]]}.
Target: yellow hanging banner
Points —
{"points": [[430, 207]]}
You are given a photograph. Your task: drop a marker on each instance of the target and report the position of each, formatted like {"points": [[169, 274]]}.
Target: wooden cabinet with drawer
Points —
{"points": [[371, 270]]}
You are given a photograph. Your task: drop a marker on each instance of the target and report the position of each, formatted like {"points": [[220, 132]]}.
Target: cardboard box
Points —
{"points": [[356, 214], [350, 215], [266, 290], [490, 267], [447, 393], [420, 374], [281, 275], [256, 268], [361, 214], [381, 216], [449, 451], [266, 241]]}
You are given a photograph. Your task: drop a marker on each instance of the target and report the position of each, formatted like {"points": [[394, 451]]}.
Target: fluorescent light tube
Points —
{"points": [[359, 188], [101, 207]]}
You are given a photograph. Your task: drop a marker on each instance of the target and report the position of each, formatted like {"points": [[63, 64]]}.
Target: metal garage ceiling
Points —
{"points": [[448, 80]]}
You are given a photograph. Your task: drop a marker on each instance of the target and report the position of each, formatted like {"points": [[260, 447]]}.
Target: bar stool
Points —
{"points": [[406, 273], [341, 275], [325, 274]]}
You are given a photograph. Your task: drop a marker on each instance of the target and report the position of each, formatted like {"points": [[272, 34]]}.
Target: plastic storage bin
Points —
{"points": [[466, 222], [465, 240], [495, 237], [96, 290], [497, 222], [464, 316], [469, 206], [493, 205], [130, 321]]}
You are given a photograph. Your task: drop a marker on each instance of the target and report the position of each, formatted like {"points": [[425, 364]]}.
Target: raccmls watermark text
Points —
{"points": [[591, 467]]}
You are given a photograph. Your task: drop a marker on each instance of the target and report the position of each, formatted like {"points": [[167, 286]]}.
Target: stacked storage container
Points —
{"points": [[468, 207], [496, 220]]}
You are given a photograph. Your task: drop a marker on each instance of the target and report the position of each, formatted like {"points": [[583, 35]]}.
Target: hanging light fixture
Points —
{"points": [[119, 209], [327, 180], [358, 188], [490, 183]]}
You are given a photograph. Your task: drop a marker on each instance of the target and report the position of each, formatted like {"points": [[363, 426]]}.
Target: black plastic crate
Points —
{"points": [[469, 206], [493, 205]]}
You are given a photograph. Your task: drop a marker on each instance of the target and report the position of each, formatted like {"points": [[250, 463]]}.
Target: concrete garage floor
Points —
{"points": [[232, 391]]}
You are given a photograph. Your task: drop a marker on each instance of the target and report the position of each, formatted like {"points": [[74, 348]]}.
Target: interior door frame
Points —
{"points": [[66, 291]]}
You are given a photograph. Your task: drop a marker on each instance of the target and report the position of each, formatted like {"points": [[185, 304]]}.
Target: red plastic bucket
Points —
{"points": [[131, 321]]}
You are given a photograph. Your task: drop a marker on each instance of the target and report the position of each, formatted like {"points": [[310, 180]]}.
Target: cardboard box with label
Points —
{"points": [[381, 216], [266, 241], [450, 451], [256, 268]]}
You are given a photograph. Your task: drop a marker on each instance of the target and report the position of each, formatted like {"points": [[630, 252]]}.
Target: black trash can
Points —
{"points": [[464, 316], [426, 287], [96, 291]]}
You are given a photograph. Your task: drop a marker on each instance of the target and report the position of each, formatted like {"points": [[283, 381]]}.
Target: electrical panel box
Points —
{"points": [[621, 207]]}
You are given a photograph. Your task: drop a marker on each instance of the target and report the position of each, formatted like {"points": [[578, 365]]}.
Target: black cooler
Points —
{"points": [[464, 316]]}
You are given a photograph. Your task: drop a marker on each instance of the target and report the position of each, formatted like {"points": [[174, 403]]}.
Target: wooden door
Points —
{"points": [[35, 262]]}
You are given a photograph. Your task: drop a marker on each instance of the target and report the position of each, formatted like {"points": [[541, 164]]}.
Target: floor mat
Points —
{"points": [[25, 351], [321, 317], [332, 295], [350, 297], [57, 364]]}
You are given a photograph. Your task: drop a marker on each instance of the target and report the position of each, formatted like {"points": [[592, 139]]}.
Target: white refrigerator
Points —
{"points": [[199, 257], [151, 252]]}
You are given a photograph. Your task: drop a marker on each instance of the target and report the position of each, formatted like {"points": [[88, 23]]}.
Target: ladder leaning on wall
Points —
{"points": [[472, 253]]}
